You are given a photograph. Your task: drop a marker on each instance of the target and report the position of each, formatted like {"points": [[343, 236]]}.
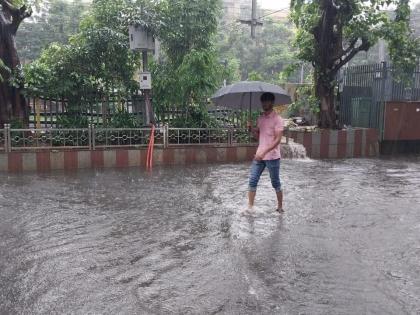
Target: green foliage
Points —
{"points": [[255, 76], [190, 70], [232, 70], [190, 84], [95, 59], [331, 33], [306, 100], [187, 25], [404, 50], [358, 26], [123, 119], [17, 123], [3, 69], [196, 117], [266, 56], [72, 120], [52, 22]]}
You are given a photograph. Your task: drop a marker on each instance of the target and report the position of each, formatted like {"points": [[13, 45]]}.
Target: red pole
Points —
{"points": [[149, 159]]}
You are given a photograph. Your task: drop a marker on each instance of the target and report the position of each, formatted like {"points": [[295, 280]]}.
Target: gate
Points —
{"points": [[365, 91]]}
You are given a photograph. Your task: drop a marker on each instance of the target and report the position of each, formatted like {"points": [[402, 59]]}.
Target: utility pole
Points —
{"points": [[142, 40], [254, 22], [146, 92]]}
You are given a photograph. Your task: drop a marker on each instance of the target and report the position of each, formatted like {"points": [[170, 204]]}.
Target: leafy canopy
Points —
{"points": [[330, 33], [266, 57], [52, 22], [190, 70]]}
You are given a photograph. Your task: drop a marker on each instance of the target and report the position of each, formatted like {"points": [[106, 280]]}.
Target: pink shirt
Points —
{"points": [[269, 126]]}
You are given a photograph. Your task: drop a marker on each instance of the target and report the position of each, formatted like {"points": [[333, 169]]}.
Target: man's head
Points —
{"points": [[267, 101]]}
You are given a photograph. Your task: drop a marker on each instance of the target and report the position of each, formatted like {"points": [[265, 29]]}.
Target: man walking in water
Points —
{"points": [[269, 131]]}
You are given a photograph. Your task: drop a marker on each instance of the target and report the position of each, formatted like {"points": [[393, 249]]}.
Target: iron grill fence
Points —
{"points": [[116, 111], [29, 139], [198, 136], [95, 109], [105, 138], [364, 91]]}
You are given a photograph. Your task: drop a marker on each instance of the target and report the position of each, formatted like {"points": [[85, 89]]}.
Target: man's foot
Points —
{"points": [[280, 210], [248, 211]]}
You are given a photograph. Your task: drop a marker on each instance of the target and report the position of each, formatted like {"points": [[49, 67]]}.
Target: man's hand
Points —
{"points": [[255, 132], [259, 156]]}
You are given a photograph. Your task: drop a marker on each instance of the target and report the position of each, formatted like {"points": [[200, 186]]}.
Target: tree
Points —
{"points": [[190, 70], [12, 102], [333, 32], [266, 56], [96, 59], [53, 22]]}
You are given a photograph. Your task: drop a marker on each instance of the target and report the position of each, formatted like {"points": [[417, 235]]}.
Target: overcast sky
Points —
{"points": [[280, 4]]}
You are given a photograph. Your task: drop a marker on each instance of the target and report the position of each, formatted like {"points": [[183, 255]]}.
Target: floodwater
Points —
{"points": [[174, 242]]}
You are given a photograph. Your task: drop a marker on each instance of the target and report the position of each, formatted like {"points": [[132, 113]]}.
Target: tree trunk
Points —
{"points": [[325, 94], [330, 56], [13, 105]]}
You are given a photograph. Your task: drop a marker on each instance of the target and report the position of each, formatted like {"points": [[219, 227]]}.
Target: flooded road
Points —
{"points": [[174, 242]]}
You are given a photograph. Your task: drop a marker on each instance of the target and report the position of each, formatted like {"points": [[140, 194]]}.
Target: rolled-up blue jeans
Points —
{"points": [[258, 168]]}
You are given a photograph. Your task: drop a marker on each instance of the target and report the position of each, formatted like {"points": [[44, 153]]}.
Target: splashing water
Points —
{"points": [[294, 150]]}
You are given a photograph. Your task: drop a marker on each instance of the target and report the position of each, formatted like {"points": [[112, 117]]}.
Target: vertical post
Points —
{"points": [[92, 137], [37, 113], [146, 93], [384, 78], [7, 138], [253, 22], [103, 105], [254, 18], [230, 137], [165, 136]]}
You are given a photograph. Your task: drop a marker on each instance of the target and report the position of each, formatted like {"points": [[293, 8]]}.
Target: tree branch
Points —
{"points": [[7, 6], [348, 49], [351, 53], [16, 15]]}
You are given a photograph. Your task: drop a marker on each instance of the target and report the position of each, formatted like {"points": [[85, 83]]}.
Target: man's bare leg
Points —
{"points": [[280, 201], [251, 198]]}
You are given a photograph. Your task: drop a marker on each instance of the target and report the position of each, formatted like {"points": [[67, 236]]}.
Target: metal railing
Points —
{"points": [[209, 137], [130, 137], [198, 136], [94, 108], [105, 138], [48, 139], [101, 111]]}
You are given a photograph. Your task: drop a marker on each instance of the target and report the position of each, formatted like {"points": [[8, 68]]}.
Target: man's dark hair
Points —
{"points": [[268, 97]]}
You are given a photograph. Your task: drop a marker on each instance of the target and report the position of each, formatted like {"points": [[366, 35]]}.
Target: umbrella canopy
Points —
{"points": [[246, 94]]}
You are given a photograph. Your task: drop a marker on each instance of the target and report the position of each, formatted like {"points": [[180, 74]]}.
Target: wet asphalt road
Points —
{"points": [[175, 242]]}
